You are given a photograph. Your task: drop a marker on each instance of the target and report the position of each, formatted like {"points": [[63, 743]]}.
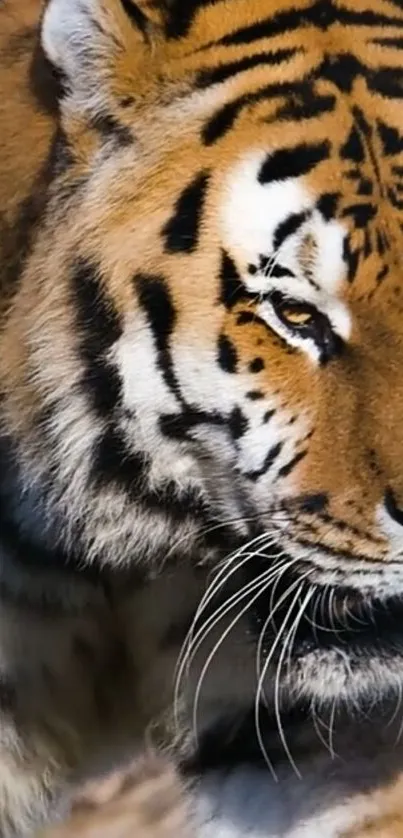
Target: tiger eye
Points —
{"points": [[297, 316]]}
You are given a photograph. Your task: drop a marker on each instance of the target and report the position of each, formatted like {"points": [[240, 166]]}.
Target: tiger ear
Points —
{"points": [[84, 39]]}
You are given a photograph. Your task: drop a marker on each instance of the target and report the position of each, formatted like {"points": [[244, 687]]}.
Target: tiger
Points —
{"points": [[201, 435]]}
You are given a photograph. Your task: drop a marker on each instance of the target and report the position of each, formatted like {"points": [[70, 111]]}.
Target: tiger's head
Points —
{"points": [[205, 347]]}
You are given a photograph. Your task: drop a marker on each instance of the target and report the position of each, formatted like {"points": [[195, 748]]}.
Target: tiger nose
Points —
{"points": [[392, 507]]}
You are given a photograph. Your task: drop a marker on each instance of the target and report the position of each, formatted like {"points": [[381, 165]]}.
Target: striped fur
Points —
{"points": [[201, 342]]}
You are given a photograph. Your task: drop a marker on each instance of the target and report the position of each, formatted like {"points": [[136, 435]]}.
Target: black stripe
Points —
{"points": [[285, 470], [392, 43], [238, 423], [111, 129], [303, 103], [215, 75], [246, 317], [99, 326], [114, 464], [392, 140], [178, 425], [367, 18], [268, 415], [277, 24], [182, 14], [322, 14], [327, 204], [352, 259], [136, 15], [155, 299], [227, 355], [287, 228], [353, 148], [182, 231], [293, 162], [269, 461], [361, 214], [388, 81], [232, 287], [222, 121], [382, 274], [277, 271]]}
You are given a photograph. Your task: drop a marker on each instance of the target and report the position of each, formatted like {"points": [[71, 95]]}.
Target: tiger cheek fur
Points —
{"points": [[201, 340], [190, 214]]}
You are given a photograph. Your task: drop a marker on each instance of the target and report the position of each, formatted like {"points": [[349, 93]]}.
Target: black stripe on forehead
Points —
{"points": [[224, 71], [303, 93], [182, 14], [290, 225], [181, 233], [293, 162], [321, 14]]}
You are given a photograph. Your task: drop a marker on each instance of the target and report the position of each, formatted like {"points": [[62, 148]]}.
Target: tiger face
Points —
{"points": [[204, 350]]}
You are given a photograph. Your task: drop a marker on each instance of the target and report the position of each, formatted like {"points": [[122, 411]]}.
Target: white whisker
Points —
{"points": [[260, 686], [219, 581], [277, 712], [272, 612], [215, 650]]}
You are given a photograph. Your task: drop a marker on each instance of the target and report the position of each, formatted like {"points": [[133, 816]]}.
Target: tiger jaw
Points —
{"points": [[327, 626], [329, 643]]}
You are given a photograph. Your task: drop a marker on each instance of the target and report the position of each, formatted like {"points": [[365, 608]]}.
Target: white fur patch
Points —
{"points": [[66, 30], [251, 214]]}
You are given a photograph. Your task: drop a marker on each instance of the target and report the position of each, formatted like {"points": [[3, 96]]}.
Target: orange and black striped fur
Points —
{"points": [[201, 343]]}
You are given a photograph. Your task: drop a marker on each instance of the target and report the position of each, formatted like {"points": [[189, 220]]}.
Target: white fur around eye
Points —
{"points": [[251, 212]]}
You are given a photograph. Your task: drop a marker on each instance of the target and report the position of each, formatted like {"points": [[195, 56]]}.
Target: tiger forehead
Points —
{"points": [[316, 111], [335, 193], [277, 226]]}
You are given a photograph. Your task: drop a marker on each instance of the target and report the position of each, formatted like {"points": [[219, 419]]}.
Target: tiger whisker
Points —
{"points": [[219, 581], [279, 515], [196, 642], [229, 603], [277, 711], [262, 678], [317, 720], [272, 610], [215, 650]]}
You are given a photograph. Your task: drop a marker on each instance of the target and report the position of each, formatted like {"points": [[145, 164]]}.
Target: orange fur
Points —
{"points": [[91, 171]]}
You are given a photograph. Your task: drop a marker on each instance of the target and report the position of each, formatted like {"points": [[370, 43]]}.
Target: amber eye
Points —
{"points": [[306, 321], [296, 315]]}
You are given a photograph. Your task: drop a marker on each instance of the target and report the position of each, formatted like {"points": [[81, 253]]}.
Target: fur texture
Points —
{"points": [[200, 352]]}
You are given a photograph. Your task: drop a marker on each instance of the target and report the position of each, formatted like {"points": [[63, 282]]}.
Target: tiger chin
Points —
{"points": [[201, 409]]}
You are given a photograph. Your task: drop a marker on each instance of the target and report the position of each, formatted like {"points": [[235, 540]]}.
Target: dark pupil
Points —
{"points": [[287, 309]]}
